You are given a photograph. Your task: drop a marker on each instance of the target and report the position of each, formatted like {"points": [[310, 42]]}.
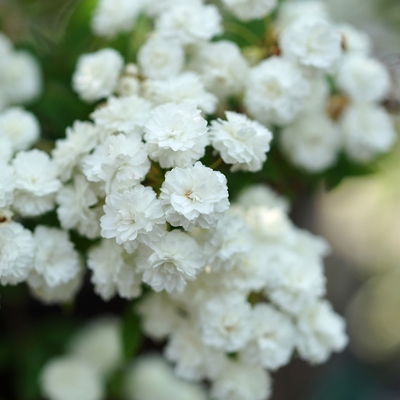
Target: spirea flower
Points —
{"points": [[311, 42], [20, 127], [221, 67], [114, 16], [120, 161], [70, 378], [292, 10], [297, 279], [240, 141], [227, 243], [16, 253], [176, 135], [60, 294], [320, 331], [225, 322], [159, 315], [132, 216], [55, 260], [275, 91], [239, 381], [193, 359], [170, 261], [363, 79], [367, 131], [99, 344], [77, 207], [81, 138], [273, 338], [354, 42], [113, 271], [20, 78], [246, 10], [194, 196], [262, 195], [96, 74], [6, 185], [126, 115], [36, 184], [311, 142], [183, 88], [151, 378], [189, 22], [161, 58]]}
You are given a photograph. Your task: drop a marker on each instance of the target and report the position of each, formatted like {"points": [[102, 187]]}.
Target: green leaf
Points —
{"points": [[132, 335]]}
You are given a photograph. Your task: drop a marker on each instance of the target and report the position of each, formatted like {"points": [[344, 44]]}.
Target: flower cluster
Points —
{"points": [[236, 289]]}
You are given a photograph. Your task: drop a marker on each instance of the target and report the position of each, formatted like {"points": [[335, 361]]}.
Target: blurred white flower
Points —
{"points": [[96, 74]]}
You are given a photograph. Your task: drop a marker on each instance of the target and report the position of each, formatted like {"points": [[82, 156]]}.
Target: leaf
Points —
{"points": [[132, 335]]}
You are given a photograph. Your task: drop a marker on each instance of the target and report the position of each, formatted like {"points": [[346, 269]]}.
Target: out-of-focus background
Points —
{"points": [[360, 218]]}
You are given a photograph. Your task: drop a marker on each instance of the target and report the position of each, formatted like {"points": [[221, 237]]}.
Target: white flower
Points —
{"points": [[311, 142], [318, 95], [354, 41], [20, 127], [120, 161], [96, 74], [367, 131], [297, 279], [262, 195], [184, 88], [225, 322], [128, 86], [114, 16], [239, 381], [190, 22], [35, 182], [194, 196], [68, 153], [6, 185], [78, 207], [99, 344], [122, 115], [55, 257], [20, 78], [311, 42], [60, 294], [161, 58], [170, 261], [70, 378], [153, 8], [6, 150], [133, 216], [176, 135], [241, 141], [221, 67], [113, 271], [273, 338], [290, 11], [363, 79], [16, 253], [246, 10], [320, 331], [194, 360], [227, 243], [275, 91], [151, 378], [269, 225], [159, 315]]}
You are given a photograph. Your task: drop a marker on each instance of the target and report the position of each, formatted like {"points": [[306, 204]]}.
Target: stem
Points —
{"points": [[216, 163]]}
